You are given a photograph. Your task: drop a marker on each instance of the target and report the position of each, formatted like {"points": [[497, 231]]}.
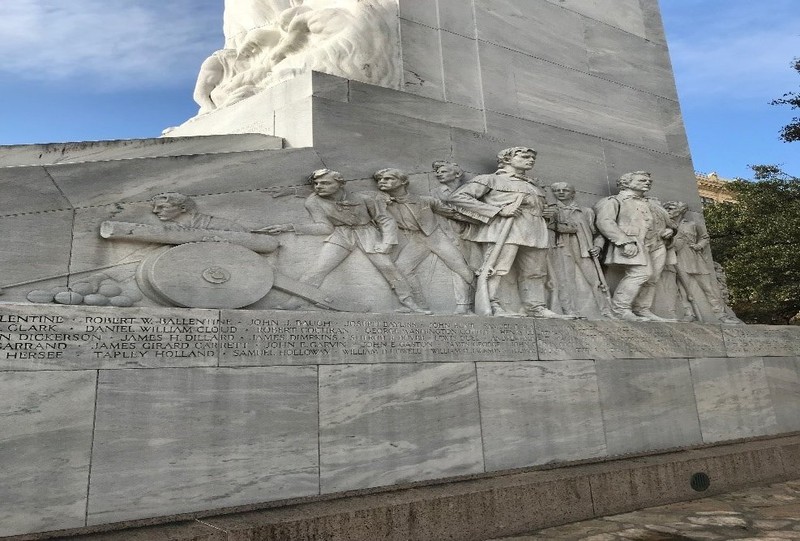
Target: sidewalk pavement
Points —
{"points": [[759, 514]]}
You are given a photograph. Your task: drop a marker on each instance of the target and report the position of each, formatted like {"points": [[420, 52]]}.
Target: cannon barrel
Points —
{"points": [[175, 234]]}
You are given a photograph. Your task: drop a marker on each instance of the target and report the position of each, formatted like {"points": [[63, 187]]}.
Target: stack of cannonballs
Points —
{"points": [[97, 290]]}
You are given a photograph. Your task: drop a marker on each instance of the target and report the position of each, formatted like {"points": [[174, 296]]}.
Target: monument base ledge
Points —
{"points": [[481, 507]]}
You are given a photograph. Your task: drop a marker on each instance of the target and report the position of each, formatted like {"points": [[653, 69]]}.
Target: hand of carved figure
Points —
{"points": [[550, 211], [667, 234], [594, 251], [509, 211], [275, 229], [696, 247], [630, 249], [567, 227], [383, 247]]}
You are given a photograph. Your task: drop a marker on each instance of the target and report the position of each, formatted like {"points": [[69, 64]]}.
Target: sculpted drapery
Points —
{"points": [[268, 41]]}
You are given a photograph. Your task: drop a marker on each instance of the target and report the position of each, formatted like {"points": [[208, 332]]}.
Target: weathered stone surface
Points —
{"points": [[762, 340], [181, 440], [94, 151], [623, 14], [454, 18], [33, 191], [461, 70], [537, 29], [538, 412], [422, 60], [783, 378], [50, 337], [353, 140], [336, 338], [644, 66], [647, 404], [385, 100], [208, 174], [382, 425], [559, 340], [45, 447], [570, 99], [733, 398], [419, 12], [34, 247]]}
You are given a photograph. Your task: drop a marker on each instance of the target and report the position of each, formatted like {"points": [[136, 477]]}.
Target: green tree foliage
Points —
{"points": [[791, 132], [757, 241]]}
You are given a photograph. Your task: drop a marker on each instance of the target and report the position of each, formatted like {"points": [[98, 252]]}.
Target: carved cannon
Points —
{"points": [[212, 268]]}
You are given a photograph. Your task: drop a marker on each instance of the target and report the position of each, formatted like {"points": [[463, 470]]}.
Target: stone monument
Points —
{"points": [[283, 300]]}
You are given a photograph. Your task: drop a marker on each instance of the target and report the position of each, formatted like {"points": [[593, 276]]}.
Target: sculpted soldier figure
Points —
{"points": [[182, 210], [511, 213], [351, 221], [576, 251], [690, 240], [416, 220], [450, 177], [637, 228]]}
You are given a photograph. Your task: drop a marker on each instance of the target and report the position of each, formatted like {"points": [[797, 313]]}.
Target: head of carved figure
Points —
{"points": [[170, 205], [517, 158], [676, 209], [326, 183], [447, 172], [637, 181], [390, 179], [563, 191]]}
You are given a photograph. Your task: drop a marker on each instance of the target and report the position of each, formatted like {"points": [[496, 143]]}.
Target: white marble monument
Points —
{"points": [[277, 301]]}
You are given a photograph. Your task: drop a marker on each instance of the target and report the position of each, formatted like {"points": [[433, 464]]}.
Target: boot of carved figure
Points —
{"points": [[545, 313], [650, 316], [411, 306]]}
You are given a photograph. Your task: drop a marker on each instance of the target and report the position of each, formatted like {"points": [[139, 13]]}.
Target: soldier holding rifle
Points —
{"points": [[512, 230]]}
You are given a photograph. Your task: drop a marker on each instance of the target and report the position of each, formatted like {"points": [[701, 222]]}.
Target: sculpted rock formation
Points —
{"points": [[267, 41]]}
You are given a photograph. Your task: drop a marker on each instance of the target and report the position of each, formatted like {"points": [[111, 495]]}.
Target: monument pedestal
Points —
{"points": [[115, 406], [163, 411]]}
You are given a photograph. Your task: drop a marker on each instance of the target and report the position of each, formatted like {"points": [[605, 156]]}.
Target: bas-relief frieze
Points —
{"points": [[508, 246]]}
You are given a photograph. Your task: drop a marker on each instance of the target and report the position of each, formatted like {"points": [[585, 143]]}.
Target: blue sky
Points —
{"points": [[114, 69]]}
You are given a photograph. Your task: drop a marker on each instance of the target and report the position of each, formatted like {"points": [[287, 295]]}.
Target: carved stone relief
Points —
{"points": [[495, 244], [637, 229], [693, 268], [267, 41]]}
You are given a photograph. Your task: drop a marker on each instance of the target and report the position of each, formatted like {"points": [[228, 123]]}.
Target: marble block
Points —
{"points": [[623, 14], [95, 151], [54, 337], [389, 424], [539, 412], [762, 340], [34, 246], [647, 405], [533, 28], [180, 440], [563, 340], [733, 398], [45, 447], [263, 339], [33, 190], [110, 183], [422, 60], [783, 378]]}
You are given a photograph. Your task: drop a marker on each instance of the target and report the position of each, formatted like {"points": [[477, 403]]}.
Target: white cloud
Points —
{"points": [[108, 43], [735, 51]]}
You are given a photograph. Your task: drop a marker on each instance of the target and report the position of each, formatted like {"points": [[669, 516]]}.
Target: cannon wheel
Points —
{"points": [[205, 275]]}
